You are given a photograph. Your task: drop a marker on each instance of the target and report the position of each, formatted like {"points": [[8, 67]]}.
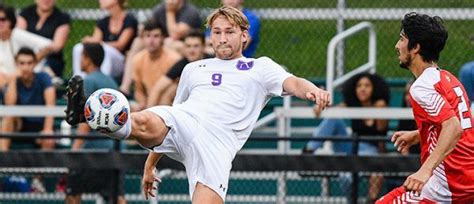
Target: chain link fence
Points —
{"points": [[296, 33]]}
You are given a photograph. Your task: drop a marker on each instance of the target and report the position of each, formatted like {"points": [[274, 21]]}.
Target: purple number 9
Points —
{"points": [[216, 79]]}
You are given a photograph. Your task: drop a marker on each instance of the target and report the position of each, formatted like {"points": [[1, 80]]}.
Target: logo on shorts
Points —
{"points": [[243, 66], [121, 117], [222, 187], [106, 99]]}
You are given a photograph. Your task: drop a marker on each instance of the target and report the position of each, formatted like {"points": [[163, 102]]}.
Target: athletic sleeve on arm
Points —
{"points": [[182, 93], [273, 76], [435, 105]]}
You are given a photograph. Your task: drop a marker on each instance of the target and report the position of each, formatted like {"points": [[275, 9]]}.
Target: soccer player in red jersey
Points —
{"points": [[443, 115]]}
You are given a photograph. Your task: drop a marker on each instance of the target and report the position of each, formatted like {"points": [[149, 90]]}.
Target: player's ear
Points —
{"points": [[416, 49], [245, 38]]}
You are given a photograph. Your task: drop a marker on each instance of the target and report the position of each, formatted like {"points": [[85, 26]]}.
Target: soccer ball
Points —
{"points": [[106, 110]]}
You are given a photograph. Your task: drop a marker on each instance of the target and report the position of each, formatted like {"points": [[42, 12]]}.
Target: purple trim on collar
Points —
{"points": [[243, 66]]}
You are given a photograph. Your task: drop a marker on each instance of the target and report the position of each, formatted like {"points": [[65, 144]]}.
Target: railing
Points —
{"points": [[333, 81]]}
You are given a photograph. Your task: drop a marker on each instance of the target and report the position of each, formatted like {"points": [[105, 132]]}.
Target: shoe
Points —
{"points": [[75, 101]]}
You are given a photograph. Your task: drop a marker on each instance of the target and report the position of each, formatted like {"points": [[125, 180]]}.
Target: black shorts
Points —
{"points": [[27, 143], [93, 181]]}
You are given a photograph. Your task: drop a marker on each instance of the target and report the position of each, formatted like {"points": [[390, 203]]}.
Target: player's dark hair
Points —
{"points": [[25, 51], [152, 25], [426, 31], [9, 14], [380, 90], [95, 52], [196, 34]]}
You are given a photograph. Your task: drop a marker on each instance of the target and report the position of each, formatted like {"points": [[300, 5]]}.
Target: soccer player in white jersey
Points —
{"points": [[443, 115], [217, 104]]}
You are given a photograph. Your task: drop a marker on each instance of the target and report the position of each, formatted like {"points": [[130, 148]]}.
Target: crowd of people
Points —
{"points": [[145, 60]]}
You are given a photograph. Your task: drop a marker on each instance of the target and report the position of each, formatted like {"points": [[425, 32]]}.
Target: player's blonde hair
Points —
{"points": [[235, 17]]}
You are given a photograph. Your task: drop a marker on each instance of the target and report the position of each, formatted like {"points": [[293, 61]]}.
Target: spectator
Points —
{"points": [[45, 19], [115, 32], [178, 17], [361, 90], [150, 64], [12, 39], [81, 181], [251, 46], [28, 88], [466, 76], [408, 124], [164, 89]]}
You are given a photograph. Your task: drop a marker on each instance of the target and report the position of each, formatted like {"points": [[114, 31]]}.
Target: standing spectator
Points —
{"points": [[178, 17], [164, 90], [150, 64], [115, 32], [12, 39], [250, 47], [28, 88], [81, 181], [45, 19]]}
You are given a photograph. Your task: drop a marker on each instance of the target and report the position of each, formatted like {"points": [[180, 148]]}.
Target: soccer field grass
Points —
{"points": [[301, 45]]}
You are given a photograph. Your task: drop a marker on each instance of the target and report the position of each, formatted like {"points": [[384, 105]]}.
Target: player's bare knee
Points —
{"points": [[148, 128]]}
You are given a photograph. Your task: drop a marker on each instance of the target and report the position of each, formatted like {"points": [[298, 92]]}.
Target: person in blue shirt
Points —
{"points": [[80, 181], [28, 88], [250, 46]]}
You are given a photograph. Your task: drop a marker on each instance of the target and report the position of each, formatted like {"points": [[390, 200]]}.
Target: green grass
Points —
{"points": [[302, 45]]}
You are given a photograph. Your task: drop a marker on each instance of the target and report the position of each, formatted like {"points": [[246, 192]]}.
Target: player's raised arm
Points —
{"points": [[304, 89]]}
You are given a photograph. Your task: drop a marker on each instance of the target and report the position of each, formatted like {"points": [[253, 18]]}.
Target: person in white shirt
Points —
{"points": [[217, 104], [12, 39]]}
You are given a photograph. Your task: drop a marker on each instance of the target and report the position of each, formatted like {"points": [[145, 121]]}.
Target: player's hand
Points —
{"points": [[320, 97], [148, 182], [416, 181], [403, 140]]}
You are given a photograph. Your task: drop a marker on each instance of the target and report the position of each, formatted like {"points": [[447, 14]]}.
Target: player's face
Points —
{"points": [[25, 64], [153, 40], [404, 55], [193, 48], [227, 39], [364, 89]]}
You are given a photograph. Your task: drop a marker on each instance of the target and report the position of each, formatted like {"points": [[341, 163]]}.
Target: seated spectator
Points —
{"points": [[96, 181], [150, 64], [45, 19], [164, 90], [28, 88], [115, 32], [408, 124], [178, 17], [361, 90], [12, 39], [254, 30]]}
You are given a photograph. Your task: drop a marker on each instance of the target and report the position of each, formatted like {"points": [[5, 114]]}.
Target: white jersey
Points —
{"points": [[229, 93]]}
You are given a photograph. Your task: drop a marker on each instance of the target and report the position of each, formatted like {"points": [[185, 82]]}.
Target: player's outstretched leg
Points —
{"points": [[75, 101]]}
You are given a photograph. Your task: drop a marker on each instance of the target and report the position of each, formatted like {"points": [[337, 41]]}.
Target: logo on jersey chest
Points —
{"points": [[244, 66]]}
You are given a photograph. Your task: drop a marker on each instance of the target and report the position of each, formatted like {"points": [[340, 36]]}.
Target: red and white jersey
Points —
{"points": [[436, 96]]}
